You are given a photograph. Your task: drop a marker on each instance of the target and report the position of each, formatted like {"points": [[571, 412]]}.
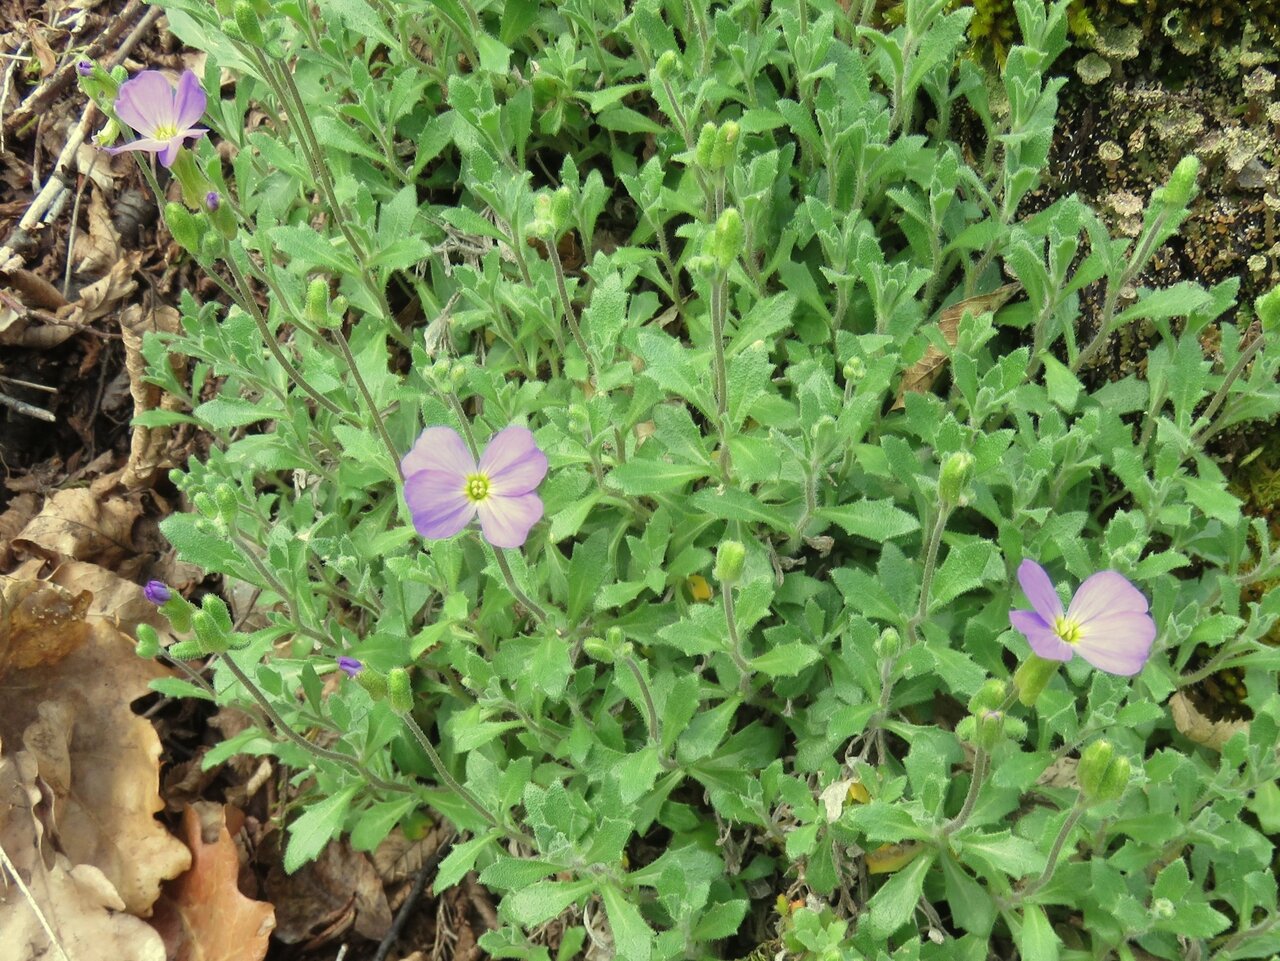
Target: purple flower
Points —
{"points": [[1106, 623], [350, 665], [445, 488], [212, 201], [157, 592], [162, 115], [84, 68]]}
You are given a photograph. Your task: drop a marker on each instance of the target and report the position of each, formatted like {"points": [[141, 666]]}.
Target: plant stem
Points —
{"points": [[981, 764], [320, 752], [651, 712], [378, 423], [930, 565], [1067, 827], [532, 606], [570, 315], [735, 641], [720, 372], [1220, 395], [453, 785]]}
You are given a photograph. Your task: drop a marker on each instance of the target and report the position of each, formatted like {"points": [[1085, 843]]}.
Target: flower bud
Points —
{"points": [[726, 144], [706, 146], [210, 639], [954, 477], [854, 370], [990, 697], [1162, 909], [728, 238], [542, 224], [1103, 775], [225, 497], [185, 651], [596, 649], [562, 209], [350, 666], [315, 306], [205, 504], [248, 24], [85, 68], [374, 682], [614, 637], [212, 201], [183, 226], [399, 690], [1177, 193], [730, 559], [888, 644], [1267, 308], [1031, 677], [823, 432], [990, 728], [667, 65], [148, 645], [157, 592], [216, 607]]}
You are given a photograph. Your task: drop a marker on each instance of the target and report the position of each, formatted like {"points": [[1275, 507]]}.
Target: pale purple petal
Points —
{"points": [[1039, 590], [1117, 643], [170, 152], [190, 100], [142, 143], [512, 462], [146, 102], [506, 520], [1103, 594], [437, 503], [440, 449], [1040, 636]]}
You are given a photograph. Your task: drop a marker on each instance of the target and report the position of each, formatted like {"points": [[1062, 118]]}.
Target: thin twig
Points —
{"points": [[12, 871], [415, 894], [39, 413]]}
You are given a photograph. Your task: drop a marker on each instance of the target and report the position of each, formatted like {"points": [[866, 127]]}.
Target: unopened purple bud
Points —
{"points": [[212, 201], [157, 592], [350, 665], [84, 68]]}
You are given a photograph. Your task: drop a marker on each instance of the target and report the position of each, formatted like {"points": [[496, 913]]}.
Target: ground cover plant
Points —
{"points": [[663, 452]]}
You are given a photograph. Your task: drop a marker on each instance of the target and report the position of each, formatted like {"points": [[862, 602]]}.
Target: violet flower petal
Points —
{"points": [[437, 503], [1103, 594], [440, 449], [146, 102], [1042, 638], [142, 143], [506, 520], [170, 152], [1039, 590], [189, 101], [1118, 643], [350, 665], [512, 462]]}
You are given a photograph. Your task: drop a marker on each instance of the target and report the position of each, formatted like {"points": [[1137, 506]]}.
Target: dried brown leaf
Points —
{"points": [[78, 903], [1195, 726], [76, 524], [202, 915], [149, 447], [919, 378], [69, 704], [98, 249], [339, 890]]}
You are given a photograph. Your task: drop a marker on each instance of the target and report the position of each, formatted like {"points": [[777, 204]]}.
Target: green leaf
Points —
{"points": [[786, 660], [875, 520], [720, 921], [647, 477], [226, 413], [513, 874], [965, 568], [588, 570], [632, 937], [892, 906], [461, 860], [1036, 939], [1063, 386], [971, 905], [309, 834], [544, 900]]}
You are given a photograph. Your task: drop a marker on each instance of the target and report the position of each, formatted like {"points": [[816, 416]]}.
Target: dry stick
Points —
{"points": [[39, 413], [47, 92], [415, 894], [55, 186], [12, 870]]}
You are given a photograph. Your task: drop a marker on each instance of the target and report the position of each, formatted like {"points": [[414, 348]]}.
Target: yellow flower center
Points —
{"points": [[477, 487], [164, 132], [1068, 630]]}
